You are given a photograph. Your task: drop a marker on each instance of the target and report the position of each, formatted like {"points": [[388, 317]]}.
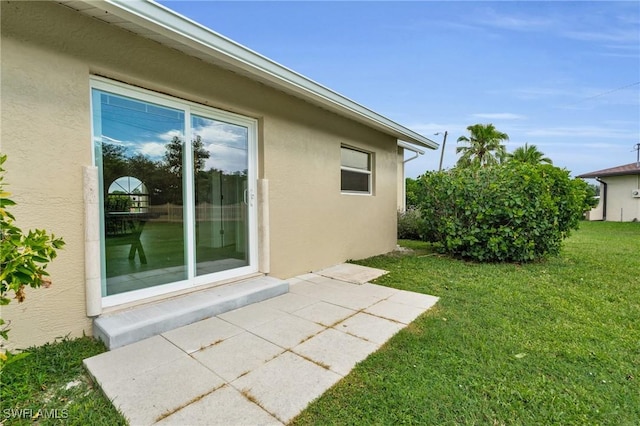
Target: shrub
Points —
{"points": [[410, 225], [511, 212]]}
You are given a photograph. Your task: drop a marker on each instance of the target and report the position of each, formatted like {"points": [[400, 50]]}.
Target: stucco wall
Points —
{"points": [[49, 53], [621, 206]]}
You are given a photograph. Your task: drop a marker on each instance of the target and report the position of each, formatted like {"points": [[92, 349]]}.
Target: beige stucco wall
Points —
{"points": [[621, 206], [596, 213], [49, 53]]}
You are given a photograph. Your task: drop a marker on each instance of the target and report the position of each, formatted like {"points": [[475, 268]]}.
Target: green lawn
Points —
{"points": [[51, 387], [556, 342]]}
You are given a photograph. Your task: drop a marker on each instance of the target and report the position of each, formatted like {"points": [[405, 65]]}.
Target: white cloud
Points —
{"points": [[223, 133], [151, 149], [168, 136], [518, 23], [583, 132], [227, 146], [611, 35], [499, 116], [226, 158]]}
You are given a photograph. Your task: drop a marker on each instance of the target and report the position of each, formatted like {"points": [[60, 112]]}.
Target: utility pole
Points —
{"points": [[637, 149], [444, 142]]}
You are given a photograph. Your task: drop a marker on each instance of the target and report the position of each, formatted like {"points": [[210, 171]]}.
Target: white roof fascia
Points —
{"points": [[410, 148], [154, 17]]}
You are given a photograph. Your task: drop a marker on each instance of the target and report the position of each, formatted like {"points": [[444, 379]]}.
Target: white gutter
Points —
{"points": [[408, 147], [157, 22]]}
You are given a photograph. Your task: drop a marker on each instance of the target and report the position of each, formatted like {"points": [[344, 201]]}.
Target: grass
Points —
{"points": [[50, 386], [554, 342]]}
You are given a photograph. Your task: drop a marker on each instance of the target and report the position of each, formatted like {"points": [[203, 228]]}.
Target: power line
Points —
{"points": [[605, 93]]}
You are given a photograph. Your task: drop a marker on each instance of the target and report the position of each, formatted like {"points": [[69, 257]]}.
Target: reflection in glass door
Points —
{"points": [[142, 192], [170, 215], [221, 158]]}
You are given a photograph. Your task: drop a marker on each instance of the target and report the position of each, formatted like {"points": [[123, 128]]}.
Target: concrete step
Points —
{"points": [[132, 325]]}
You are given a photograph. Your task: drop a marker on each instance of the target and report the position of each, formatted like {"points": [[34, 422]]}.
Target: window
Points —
{"points": [[355, 171]]}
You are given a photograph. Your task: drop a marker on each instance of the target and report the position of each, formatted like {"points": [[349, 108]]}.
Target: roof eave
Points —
{"points": [[624, 170], [202, 42]]}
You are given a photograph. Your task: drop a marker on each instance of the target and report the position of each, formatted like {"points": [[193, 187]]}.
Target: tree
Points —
{"points": [[529, 154], [173, 156], [114, 163], [483, 147]]}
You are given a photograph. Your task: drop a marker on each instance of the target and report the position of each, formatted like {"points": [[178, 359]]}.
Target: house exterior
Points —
{"points": [[619, 193], [171, 159]]}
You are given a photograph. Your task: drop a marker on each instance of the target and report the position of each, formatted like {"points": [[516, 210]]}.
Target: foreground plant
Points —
{"points": [[23, 259]]}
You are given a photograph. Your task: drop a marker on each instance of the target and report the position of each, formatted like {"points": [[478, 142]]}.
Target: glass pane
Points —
{"points": [[355, 159], [355, 181], [221, 160], [139, 148]]}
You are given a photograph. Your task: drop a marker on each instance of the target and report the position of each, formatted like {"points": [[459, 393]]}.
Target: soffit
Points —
{"points": [[156, 22]]}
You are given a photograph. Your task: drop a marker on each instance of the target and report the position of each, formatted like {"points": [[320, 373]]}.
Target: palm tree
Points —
{"points": [[529, 154], [483, 147]]}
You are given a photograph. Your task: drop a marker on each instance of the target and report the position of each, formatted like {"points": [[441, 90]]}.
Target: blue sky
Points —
{"points": [[564, 76]]}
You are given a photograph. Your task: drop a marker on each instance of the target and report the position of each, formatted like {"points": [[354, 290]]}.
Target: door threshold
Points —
{"points": [[127, 326]]}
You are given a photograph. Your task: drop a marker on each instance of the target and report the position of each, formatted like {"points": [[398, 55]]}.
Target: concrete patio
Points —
{"points": [[262, 363]]}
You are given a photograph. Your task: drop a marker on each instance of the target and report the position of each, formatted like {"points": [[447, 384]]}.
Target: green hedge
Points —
{"points": [[410, 225], [510, 212]]}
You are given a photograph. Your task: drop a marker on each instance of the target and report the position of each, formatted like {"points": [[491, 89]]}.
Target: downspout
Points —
{"points": [[408, 147], [418, 152], [603, 198], [412, 158]]}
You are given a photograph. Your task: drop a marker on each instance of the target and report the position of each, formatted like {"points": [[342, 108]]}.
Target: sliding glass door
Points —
{"points": [[221, 194], [176, 191]]}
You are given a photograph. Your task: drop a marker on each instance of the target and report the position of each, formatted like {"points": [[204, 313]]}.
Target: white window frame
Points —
{"points": [[189, 108], [369, 172]]}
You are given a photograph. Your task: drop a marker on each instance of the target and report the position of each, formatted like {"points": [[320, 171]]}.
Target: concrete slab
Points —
{"points": [[394, 311], [324, 313], [237, 355], [303, 380], [410, 298], [202, 334], [145, 398], [225, 406], [289, 302], [379, 290], [122, 363], [350, 299], [371, 328], [287, 331], [339, 352], [251, 316], [352, 273], [257, 364]]}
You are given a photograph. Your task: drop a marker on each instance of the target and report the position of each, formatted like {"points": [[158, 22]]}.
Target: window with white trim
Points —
{"points": [[355, 171]]}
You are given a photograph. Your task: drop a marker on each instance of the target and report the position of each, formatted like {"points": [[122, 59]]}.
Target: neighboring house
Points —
{"points": [[172, 159], [619, 193]]}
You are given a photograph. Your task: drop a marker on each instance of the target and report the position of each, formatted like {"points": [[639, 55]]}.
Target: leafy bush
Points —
{"points": [[511, 212], [410, 225], [411, 192]]}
